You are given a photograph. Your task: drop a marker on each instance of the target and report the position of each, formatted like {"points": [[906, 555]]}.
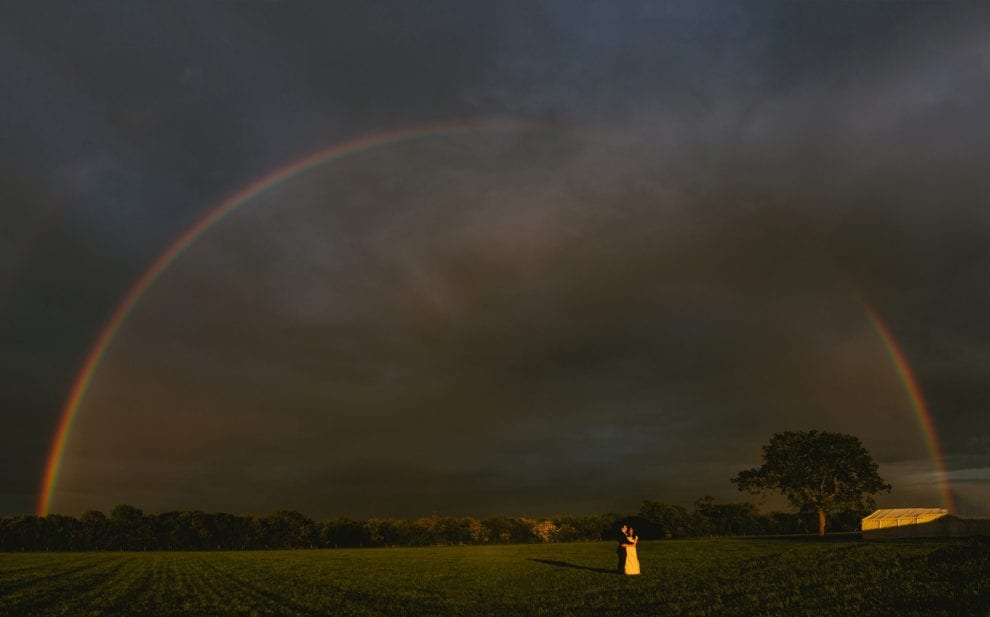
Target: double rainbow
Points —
{"points": [[127, 304]]}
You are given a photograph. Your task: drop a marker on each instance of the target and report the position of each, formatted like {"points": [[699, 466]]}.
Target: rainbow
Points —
{"points": [[125, 307], [261, 185], [917, 400]]}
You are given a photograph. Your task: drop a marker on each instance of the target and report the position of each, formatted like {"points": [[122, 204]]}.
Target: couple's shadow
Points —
{"points": [[564, 564]]}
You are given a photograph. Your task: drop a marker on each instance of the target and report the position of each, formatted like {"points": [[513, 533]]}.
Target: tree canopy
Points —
{"points": [[819, 470], [130, 529]]}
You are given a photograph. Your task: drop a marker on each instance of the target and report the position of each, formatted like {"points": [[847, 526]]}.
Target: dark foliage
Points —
{"points": [[130, 529], [816, 470]]}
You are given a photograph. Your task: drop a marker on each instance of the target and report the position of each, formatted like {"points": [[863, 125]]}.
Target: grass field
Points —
{"points": [[737, 576]]}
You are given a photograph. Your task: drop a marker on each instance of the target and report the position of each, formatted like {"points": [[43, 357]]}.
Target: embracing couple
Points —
{"points": [[628, 560]]}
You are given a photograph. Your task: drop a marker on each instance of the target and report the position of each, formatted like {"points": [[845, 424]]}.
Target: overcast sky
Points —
{"points": [[657, 260]]}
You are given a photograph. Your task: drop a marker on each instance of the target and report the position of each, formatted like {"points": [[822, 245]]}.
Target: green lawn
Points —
{"points": [[737, 576]]}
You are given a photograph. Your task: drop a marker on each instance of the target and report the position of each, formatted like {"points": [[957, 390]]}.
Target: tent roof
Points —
{"points": [[906, 513]]}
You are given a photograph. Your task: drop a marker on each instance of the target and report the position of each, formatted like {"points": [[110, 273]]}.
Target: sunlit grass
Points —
{"points": [[683, 577]]}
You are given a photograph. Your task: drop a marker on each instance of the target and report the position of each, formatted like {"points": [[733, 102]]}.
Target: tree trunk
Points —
{"points": [[821, 523]]}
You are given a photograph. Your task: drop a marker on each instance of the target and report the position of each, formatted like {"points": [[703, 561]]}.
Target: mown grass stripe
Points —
{"points": [[725, 577], [61, 595]]}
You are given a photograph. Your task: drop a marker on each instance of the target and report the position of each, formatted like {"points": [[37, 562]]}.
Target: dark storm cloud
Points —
{"points": [[475, 323], [509, 311]]}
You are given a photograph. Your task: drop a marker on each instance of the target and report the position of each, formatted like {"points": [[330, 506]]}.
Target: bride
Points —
{"points": [[632, 560]]}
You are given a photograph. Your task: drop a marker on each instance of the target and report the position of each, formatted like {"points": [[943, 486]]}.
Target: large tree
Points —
{"points": [[819, 470]]}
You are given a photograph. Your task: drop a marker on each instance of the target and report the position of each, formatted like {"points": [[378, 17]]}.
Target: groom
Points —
{"points": [[620, 550]]}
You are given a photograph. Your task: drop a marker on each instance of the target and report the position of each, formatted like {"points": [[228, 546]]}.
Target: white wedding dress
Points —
{"points": [[632, 560]]}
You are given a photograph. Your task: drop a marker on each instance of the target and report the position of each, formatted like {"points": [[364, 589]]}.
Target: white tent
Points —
{"points": [[896, 517], [895, 523]]}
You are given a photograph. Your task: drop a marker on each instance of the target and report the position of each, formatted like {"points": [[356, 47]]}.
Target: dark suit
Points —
{"points": [[620, 551]]}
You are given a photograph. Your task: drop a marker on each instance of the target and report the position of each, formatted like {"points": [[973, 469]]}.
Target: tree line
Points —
{"points": [[128, 528], [825, 476]]}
